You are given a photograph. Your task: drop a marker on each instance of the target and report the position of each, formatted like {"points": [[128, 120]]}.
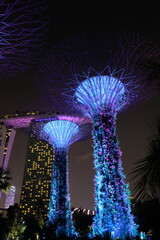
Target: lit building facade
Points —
{"points": [[37, 178], [38, 164], [8, 126], [7, 136]]}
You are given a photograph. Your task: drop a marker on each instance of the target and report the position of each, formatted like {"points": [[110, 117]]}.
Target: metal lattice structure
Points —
{"points": [[60, 131], [118, 54], [23, 34], [106, 79], [101, 97]]}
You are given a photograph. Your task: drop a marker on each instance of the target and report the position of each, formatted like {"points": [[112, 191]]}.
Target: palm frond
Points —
{"points": [[4, 178], [146, 173]]}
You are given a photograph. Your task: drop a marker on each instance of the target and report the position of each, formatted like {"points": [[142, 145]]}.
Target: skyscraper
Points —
{"points": [[7, 136], [38, 164], [37, 178]]}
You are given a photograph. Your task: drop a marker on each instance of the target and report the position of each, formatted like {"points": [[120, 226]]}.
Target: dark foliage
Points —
{"points": [[145, 175], [147, 214], [82, 222], [4, 178]]}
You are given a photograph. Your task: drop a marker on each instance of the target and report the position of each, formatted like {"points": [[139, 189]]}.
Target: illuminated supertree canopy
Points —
{"points": [[60, 131], [23, 30], [105, 92], [131, 53], [100, 95]]}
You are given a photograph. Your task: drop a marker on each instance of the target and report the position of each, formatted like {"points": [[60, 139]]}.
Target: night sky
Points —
{"points": [[133, 125]]}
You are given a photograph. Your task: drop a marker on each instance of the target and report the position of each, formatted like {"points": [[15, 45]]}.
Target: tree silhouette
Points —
{"points": [[147, 214], [16, 225], [82, 222], [145, 175], [4, 178]]}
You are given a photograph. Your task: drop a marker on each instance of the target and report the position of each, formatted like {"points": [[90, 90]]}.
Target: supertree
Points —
{"points": [[101, 95], [24, 27], [61, 131]]}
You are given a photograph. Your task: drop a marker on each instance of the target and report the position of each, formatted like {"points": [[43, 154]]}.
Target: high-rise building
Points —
{"points": [[7, 135], [38, 165], [37, 178]]}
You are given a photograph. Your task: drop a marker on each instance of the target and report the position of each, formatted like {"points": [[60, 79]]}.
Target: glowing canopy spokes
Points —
{"points": [[99, 92], [101, 97], [61, 132]]}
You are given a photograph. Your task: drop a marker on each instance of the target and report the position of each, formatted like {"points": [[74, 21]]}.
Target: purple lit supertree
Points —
{"points": [[60, 131], [100, 95], [24, 26]]}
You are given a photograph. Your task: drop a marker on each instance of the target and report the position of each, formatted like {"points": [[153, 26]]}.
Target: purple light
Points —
{"points": [[38, 127], [101, 92], [23, 34], [22, 122], [10, 197], [101, 97], [61, 132], [74, 119]]}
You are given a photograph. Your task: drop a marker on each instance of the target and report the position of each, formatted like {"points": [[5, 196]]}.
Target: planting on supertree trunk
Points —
{"points": [[60, 131], [101, 97], [106, 79]]}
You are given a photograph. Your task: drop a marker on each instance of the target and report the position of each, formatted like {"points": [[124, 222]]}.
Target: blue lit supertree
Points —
{"points": [[101, 95], [60, 131], [24, 26]]}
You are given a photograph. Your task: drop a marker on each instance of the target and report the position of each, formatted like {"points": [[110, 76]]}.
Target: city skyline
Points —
{"points": [[133, 125], [133, 122]]}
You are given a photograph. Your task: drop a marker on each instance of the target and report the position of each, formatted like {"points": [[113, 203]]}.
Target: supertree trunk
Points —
{"points": [[101, 97], [60, 132], [113, 211], [59, 207]]}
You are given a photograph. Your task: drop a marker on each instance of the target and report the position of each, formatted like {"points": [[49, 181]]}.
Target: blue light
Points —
{"points": [[101, 91], [59, 214], [142, 235], [101, 97], [113, 210], [61, 132]]}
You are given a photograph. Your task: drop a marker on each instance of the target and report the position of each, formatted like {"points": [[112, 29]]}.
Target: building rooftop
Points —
{"points": [[21, 120]]}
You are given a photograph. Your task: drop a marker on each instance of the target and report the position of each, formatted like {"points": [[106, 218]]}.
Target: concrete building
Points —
{"points": [[37, 178], [36, 173]]}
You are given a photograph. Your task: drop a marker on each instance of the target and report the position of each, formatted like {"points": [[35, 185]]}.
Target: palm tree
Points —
{"points": [[16, 225], [4, 178], [146, 173]]}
